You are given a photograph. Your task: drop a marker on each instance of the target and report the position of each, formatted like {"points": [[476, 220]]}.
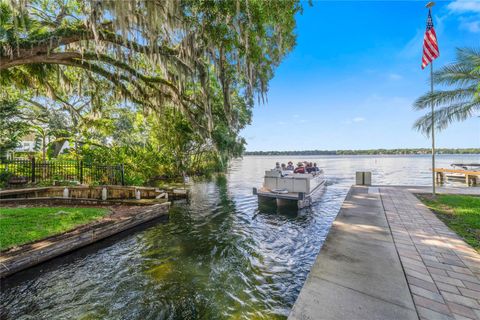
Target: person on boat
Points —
{"points": [[290, 166], [309, 167], [315, 167], [277, 166], [300, 168], [284, 167]]}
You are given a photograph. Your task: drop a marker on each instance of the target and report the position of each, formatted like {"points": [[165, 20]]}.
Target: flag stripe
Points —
{"points": [[430, 44], [432, 50], [433, 46], [427, 54]]}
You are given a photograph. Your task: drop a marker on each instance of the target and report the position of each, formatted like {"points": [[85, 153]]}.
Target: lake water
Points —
{"points": [[217, 257]]}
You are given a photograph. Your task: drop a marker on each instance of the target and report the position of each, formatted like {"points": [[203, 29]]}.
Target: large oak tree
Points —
{"points": [[150, 52]]}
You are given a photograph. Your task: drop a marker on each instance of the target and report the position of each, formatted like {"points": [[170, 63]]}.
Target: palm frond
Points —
{"points": [[469, 56], [460, 102], [465, 70], [437, 98], [457, 74], [446, 115]]}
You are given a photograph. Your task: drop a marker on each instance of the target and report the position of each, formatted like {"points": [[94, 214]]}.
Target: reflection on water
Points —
{"points": [[217, 257]]}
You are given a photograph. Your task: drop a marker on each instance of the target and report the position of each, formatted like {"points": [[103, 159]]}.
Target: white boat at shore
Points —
{"points": [[286, 187]]}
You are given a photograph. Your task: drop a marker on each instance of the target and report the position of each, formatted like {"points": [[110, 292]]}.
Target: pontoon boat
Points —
{"points": [[286, 186]]}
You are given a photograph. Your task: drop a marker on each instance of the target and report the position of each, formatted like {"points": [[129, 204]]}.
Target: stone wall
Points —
{"points": [[85, 192], [26, 256]]}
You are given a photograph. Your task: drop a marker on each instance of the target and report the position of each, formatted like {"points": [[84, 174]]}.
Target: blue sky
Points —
{"points": [[352, 78]]}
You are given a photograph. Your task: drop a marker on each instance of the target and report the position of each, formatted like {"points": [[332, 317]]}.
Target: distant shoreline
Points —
{"points": [[364, 152]]}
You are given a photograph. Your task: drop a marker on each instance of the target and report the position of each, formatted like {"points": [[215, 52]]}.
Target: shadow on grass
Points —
{"points": [[461, 213]]}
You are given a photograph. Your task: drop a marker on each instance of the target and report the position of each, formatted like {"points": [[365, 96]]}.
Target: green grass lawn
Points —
{"points": [[460, 213], [22, 225]]}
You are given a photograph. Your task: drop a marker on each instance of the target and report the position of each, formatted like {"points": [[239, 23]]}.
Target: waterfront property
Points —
{"points": [[218, 256], [389, 257], [104, 103]]}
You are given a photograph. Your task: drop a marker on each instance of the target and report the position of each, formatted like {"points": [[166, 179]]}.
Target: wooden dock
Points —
{"points": [[471, 177]]}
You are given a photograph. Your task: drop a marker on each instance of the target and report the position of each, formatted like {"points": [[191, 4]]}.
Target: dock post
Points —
{"points": [[471, 180], [440, 177]]}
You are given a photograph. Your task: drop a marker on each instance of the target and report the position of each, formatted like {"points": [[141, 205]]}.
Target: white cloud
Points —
{"points": [[460, 6], [395, 76], [354, 120], [473, 26], [468, 13]]}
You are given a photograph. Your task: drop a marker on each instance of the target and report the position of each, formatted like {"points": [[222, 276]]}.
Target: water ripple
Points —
{"points": [[218, 256]]}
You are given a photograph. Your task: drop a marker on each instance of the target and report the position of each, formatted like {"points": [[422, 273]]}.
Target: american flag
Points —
{"points": [[430, 45]]}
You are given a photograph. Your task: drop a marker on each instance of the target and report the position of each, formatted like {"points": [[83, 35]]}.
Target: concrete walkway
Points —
{"points": [[387, 256], [358, 274], [443, 272]]}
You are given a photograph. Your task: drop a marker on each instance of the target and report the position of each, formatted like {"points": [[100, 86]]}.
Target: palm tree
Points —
{"points": [[461, 101]]}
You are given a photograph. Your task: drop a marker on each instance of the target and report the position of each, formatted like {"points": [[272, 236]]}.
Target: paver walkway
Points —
{"points": [[387, 256], [442, 271]]}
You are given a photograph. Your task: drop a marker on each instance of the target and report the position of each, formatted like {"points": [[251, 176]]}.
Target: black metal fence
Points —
{"points": [[32, 171]]}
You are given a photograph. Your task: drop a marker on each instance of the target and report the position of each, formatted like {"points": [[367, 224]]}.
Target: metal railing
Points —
{"points": [[33, 171]]}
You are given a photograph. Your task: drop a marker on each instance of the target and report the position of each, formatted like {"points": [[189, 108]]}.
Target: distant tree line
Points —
{"points": [[365, 152]]}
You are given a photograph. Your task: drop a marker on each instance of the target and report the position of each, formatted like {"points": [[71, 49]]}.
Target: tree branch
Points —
{"points": [[32, 50], [53, 58]]}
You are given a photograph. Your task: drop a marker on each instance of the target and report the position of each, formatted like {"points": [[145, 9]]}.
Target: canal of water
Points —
{"points": [[217, 257]]}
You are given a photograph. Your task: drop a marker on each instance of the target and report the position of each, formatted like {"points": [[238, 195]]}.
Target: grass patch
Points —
{"points": [[23, 225], [460, 213]]}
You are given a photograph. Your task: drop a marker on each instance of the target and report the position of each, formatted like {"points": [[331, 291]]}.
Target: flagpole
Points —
{"points": [[433, 131], [429, 6]]}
